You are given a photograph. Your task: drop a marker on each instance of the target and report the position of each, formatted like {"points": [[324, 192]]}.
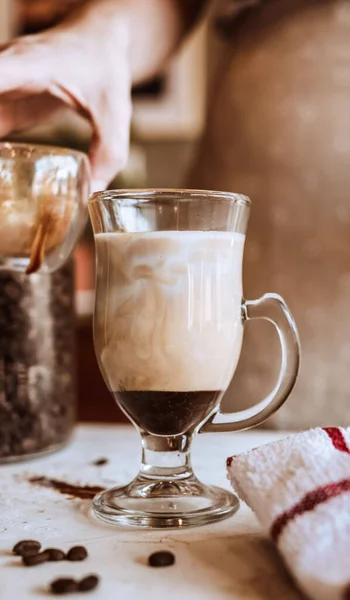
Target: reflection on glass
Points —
{"points": [[43, 197]]}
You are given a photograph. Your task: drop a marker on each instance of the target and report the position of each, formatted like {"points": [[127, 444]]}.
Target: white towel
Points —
{"points": [[299, 488]]}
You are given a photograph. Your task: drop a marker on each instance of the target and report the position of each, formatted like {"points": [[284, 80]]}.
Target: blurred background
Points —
{"points": [[169, 116], [257, 101]]}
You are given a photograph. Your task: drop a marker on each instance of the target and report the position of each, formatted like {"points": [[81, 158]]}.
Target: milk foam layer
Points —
{"points": [[168, 309]]}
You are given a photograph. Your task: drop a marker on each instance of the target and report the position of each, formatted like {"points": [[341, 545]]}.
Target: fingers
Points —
{"points": [[40, 76], [23, 66], [16, 115], [24, 76], [110, 145]]}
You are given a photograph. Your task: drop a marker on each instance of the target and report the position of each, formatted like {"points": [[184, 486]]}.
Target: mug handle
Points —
{"points": [[270, 307]]}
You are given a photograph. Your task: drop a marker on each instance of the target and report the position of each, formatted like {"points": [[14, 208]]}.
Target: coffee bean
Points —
{"points": [[26, 547], [64, 585], [100, 462], [32, 560], [77, 553], [55, 554], [88, 583], [161, 559]]}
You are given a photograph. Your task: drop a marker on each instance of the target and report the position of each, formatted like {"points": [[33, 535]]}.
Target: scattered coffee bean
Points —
{"points": [[26, 547], [64, 585], [161, 559], [100, 462], [77, 553], [31, 560], [89, 583], [55, 554]]}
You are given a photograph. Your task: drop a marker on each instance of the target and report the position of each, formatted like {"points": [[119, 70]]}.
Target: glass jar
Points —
{"points": [[43, 197], [37, 362]]}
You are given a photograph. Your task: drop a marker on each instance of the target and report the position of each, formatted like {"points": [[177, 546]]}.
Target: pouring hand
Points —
{"points": [[67, 66]]}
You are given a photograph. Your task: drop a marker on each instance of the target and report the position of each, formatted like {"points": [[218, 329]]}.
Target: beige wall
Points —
{"points": [[168, 163], [6, 7]]}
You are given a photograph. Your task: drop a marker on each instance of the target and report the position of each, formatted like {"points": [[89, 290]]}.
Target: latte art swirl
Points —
{"points": [[167, 315]]}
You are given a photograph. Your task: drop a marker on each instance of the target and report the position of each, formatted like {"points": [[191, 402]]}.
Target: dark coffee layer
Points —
{"points": [[167, 413]]}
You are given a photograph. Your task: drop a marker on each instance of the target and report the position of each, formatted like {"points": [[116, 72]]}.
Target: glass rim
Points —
{"points": [[179, 194], [43, 148]]}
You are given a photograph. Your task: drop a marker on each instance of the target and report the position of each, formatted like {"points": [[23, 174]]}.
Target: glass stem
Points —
{"points": [[166, 458]]}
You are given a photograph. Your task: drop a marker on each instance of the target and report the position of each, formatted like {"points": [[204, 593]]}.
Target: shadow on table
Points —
{"points": [[248, 566]]}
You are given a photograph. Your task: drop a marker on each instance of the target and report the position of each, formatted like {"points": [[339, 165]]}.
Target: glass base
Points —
{"points": [[156, 504]]}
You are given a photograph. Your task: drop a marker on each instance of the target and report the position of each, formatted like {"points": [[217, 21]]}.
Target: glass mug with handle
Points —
{"points": [[168, 327]]}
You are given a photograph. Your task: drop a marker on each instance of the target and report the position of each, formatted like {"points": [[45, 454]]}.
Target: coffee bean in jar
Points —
{"points": [[37, 362]]}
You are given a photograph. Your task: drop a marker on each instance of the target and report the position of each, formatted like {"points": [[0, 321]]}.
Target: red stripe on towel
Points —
{"points": [[337, 439], [307, 504]]}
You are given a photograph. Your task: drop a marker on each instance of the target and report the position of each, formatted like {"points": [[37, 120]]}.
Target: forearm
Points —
{"points": [[151, 30]]}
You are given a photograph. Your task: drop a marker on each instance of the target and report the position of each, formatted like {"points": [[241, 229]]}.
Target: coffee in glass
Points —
{"points": [[168, 330]]}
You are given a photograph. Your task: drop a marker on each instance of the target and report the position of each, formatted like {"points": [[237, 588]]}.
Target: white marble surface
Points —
{"points": [[230, 560]]}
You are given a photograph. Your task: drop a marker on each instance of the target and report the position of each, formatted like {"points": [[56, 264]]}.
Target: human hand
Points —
{"points": [[69, 66]]}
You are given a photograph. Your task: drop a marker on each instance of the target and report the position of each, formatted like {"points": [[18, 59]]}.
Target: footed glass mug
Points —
{"points": [[168, 329]]}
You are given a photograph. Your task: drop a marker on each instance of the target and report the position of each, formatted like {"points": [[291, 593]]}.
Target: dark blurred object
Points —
{"points": [[94, 399], [154, 88], [35, 15], [37, 362]]}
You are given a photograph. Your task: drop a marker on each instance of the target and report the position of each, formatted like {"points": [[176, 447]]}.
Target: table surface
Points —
{"points": [[229, 560]]}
